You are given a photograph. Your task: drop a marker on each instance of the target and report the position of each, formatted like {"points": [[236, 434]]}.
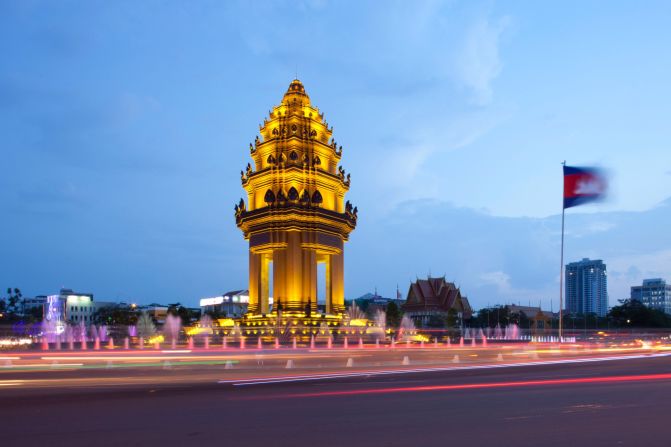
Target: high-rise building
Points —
{"points": [[587, 287], [654, 293]]}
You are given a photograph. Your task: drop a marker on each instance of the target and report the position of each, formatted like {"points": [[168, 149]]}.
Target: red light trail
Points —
{"points": [[476, 386]]}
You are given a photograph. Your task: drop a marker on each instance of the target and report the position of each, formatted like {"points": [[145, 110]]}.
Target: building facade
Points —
{"points": [[587, 287], [654, 293], [231, 304], [435, 298], [540, 321]]}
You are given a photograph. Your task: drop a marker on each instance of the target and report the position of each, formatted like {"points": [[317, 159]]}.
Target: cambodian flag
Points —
{"points": [[583, 185]]}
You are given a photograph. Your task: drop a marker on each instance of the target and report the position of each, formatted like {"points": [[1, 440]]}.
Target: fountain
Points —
{"points": [[293, 343], [224, 342], [360, 343], [344, 343], [103, 333], [207, 342], [277, 343], [461, 342], [242, 342], [378, 331], [407, 330], [259, 344], [110, 343], [467, 333], [312, 342], [512, 332], [96, 344], [126, 343], [497, 332], [171, 329]]}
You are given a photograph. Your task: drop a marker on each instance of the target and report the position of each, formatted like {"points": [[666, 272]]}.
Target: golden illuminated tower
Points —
{"points": [[295, 215]]}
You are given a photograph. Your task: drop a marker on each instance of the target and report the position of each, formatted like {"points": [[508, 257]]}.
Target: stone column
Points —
{"points": [[254, 282], [337, 283], [264, 283]]}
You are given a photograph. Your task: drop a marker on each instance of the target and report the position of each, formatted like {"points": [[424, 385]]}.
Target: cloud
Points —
{"points": [[498, 259], [500, 279], [479, 61]]}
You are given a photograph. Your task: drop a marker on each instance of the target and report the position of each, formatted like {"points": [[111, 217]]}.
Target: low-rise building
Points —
{"points": [[540, 321], [435, 298], [230, 304]]}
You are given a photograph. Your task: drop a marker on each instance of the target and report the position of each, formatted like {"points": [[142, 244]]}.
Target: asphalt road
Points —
{"points": [[592, 404]]}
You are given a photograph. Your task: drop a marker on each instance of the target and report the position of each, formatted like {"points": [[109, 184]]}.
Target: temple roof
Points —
{"points": [[435, 293]]}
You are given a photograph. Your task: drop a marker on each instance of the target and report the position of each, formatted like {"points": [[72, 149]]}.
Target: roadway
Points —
{"points": [[595, 403]]}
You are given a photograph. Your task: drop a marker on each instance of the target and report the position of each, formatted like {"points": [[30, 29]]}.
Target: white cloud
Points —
{"points": [[500, 279], [479, 62]]}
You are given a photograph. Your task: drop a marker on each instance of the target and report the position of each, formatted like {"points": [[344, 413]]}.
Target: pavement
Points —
{"points": [[577, 397]]}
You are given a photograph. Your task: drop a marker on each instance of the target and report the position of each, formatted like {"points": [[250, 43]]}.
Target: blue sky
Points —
{"points": [[125, 124]]}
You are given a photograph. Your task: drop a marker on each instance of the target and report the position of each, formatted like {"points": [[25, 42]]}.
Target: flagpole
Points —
{"points": [[561, 268]]}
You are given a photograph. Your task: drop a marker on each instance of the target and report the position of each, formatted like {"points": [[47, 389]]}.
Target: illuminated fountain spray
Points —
{"points": [[324, 334], [378, 330], [312, 342], [103, 333], [406, 330], [277, 343], [171, 329], [498, 334], [512, 332], [126, 343], [205, 329]]}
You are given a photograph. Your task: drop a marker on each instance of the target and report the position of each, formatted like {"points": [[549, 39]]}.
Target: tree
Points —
{"points": [[633, 313], [145, 326], [13, 299], [393, 315], [452, 318], [113, 315]]}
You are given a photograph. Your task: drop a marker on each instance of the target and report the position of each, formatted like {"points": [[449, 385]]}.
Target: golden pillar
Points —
{"points": [[295, 215]]}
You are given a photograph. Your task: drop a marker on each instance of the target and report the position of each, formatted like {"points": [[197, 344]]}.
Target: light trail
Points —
{"points": [[381, 372], [471, 386]]}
